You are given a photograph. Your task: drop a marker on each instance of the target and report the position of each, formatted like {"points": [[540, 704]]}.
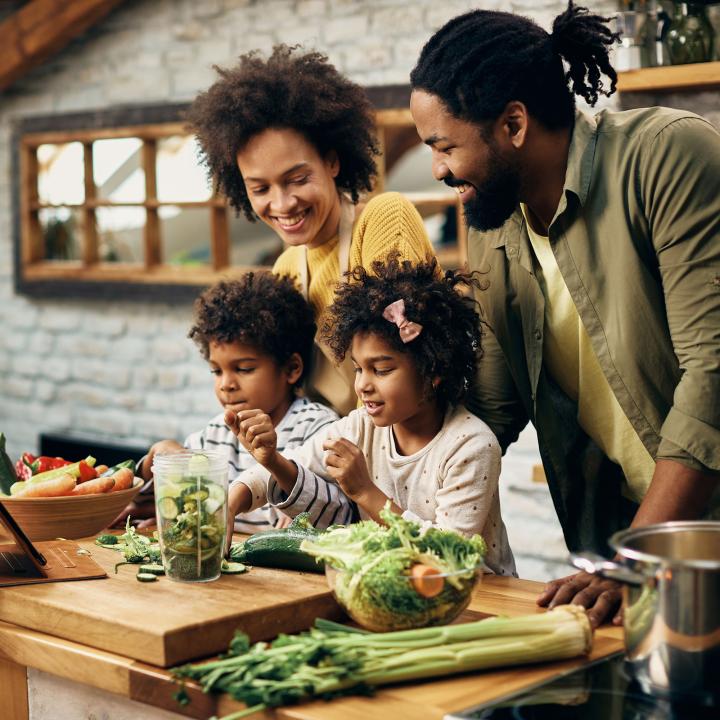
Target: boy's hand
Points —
{"points": [[256, 432], [239, 501], [162, 447], [346, 464]]}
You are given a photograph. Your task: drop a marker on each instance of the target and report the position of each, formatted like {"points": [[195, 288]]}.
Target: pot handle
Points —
{"points": [[598, 565]]}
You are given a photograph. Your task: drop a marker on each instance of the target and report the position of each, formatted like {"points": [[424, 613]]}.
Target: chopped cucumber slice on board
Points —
{"points": [[146, 577], [153, 568], [232, 568]]}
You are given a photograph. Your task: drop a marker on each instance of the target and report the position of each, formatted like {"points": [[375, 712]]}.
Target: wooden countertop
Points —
{"points": [[118, 673], [166, 623]]}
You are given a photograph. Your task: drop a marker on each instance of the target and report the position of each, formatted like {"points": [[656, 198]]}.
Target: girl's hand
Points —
{"points": [[346, 465], [256, 432]]}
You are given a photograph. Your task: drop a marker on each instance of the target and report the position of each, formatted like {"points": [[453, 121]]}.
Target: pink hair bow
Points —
{"points": [[395, 313]]}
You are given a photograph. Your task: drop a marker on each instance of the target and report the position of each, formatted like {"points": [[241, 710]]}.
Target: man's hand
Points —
{"points": [[601, 597], [256, 432]]}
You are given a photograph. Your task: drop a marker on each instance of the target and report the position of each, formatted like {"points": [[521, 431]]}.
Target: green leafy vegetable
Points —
{"points": [[136, 548], [331, 659], [372, 566]]}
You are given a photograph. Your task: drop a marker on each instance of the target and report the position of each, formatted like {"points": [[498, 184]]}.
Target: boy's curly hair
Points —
{"points": [[259, 309], [299, 91], [449, 343]]}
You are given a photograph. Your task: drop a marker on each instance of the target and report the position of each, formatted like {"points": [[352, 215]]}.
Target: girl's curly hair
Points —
{"points": [[449, 343], [299, 91], [259, 309]]}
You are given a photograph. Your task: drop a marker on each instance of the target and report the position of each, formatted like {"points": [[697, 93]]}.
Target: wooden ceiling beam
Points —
{"points": [[41, 28]]}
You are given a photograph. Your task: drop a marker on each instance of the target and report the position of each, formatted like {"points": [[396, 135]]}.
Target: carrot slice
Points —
{"points": [[49, 488], [426, 580], [94, 487], [123, 479]]}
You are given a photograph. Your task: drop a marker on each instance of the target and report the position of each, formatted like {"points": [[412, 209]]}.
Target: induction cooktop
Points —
{"points": [[601, 690]]}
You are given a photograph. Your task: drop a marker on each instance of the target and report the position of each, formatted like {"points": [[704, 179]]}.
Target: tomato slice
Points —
{"points": [[86, 472]]}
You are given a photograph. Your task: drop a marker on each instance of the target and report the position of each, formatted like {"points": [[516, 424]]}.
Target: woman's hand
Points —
{"points": [[256, 432], [601, 597]]}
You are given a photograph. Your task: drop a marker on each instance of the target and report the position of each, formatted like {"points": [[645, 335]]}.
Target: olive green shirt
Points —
{"points": [[636, 236]]}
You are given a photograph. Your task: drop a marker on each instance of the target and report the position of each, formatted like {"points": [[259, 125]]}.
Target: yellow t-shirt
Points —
{"points": [[388, 223], [571, 361]]}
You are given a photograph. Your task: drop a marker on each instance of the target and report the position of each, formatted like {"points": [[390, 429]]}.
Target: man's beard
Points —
{"points": [[498, 197]]}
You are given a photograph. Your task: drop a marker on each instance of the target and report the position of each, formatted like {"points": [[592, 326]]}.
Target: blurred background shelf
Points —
{"points": [[670, 77]]}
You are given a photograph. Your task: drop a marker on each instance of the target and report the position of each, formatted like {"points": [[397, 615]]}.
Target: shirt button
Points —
{"points": [[538, 334], [511, 251]]}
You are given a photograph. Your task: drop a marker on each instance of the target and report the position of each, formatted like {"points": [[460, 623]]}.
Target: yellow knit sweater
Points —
{"points": [[389, 222]]}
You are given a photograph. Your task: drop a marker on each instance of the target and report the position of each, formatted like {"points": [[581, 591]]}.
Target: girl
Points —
{"points": [[412, 339], [291, 141]]}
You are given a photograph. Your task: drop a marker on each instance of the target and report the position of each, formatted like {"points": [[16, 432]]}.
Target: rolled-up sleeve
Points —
{"points": [[680, 187]]}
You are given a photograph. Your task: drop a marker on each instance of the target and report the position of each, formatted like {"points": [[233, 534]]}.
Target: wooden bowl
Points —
{"points": [[69, 517]]}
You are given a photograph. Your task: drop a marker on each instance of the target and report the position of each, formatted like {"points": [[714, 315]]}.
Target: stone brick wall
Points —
{"points": [[126, 371]]}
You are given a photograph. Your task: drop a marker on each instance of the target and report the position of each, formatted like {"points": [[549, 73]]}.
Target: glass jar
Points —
{"points": [[689, 37], [191, 507]]}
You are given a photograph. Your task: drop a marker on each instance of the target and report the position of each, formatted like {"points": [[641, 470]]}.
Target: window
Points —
{"points": [[116, 204]]}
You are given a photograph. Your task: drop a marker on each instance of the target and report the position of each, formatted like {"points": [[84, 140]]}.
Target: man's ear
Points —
{"points": [[294, 368], [513, 123]]}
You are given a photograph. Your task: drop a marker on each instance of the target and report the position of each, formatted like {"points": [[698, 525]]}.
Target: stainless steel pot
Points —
{"points": [[671, 601]]}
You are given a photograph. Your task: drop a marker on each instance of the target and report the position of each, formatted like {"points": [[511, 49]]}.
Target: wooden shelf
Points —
{"points": [[670, 77]]}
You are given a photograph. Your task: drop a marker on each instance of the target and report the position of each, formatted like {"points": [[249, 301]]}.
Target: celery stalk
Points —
{"points": [[317, 662]]}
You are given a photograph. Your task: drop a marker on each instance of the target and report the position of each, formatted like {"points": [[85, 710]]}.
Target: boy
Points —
{"points": [[257, 335]]}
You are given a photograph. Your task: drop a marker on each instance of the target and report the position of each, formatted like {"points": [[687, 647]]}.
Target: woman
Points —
{"points": [[291, 141]]}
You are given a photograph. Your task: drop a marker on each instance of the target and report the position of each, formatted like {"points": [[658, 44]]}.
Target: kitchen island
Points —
{"points": [[98, 643]]}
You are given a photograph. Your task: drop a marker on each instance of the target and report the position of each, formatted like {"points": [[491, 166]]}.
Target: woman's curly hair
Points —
{"points": [[259, 309], [300, 91], [448, 345]]}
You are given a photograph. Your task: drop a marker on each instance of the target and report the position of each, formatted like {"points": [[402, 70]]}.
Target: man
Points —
{"points": [[597, 243]]}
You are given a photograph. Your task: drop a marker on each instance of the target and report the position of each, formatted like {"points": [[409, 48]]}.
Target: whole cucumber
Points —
{"points": [[277, 549], [124, 464]]}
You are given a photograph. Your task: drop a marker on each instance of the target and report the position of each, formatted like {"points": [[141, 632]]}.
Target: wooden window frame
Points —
{"points": [[151, 279]]}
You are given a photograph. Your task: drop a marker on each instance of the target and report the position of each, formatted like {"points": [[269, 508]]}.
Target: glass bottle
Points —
{"points": [[690, 37]]}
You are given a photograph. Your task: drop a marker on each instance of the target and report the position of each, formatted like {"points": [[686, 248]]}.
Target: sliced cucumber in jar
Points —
{"points": [[198, 465], [197, 496], [212, 506], [167, 507], [216, 492]]}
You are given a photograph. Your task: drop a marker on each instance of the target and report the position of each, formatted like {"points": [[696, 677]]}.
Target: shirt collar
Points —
{"points": [[581, 156], [578, 174]]}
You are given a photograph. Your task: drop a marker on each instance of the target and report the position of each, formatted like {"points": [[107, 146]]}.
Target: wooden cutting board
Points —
{"points": [[166, 623]]}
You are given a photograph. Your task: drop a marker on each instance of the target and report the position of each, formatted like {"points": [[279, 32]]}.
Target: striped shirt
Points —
{"points": [[302, 420]]}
